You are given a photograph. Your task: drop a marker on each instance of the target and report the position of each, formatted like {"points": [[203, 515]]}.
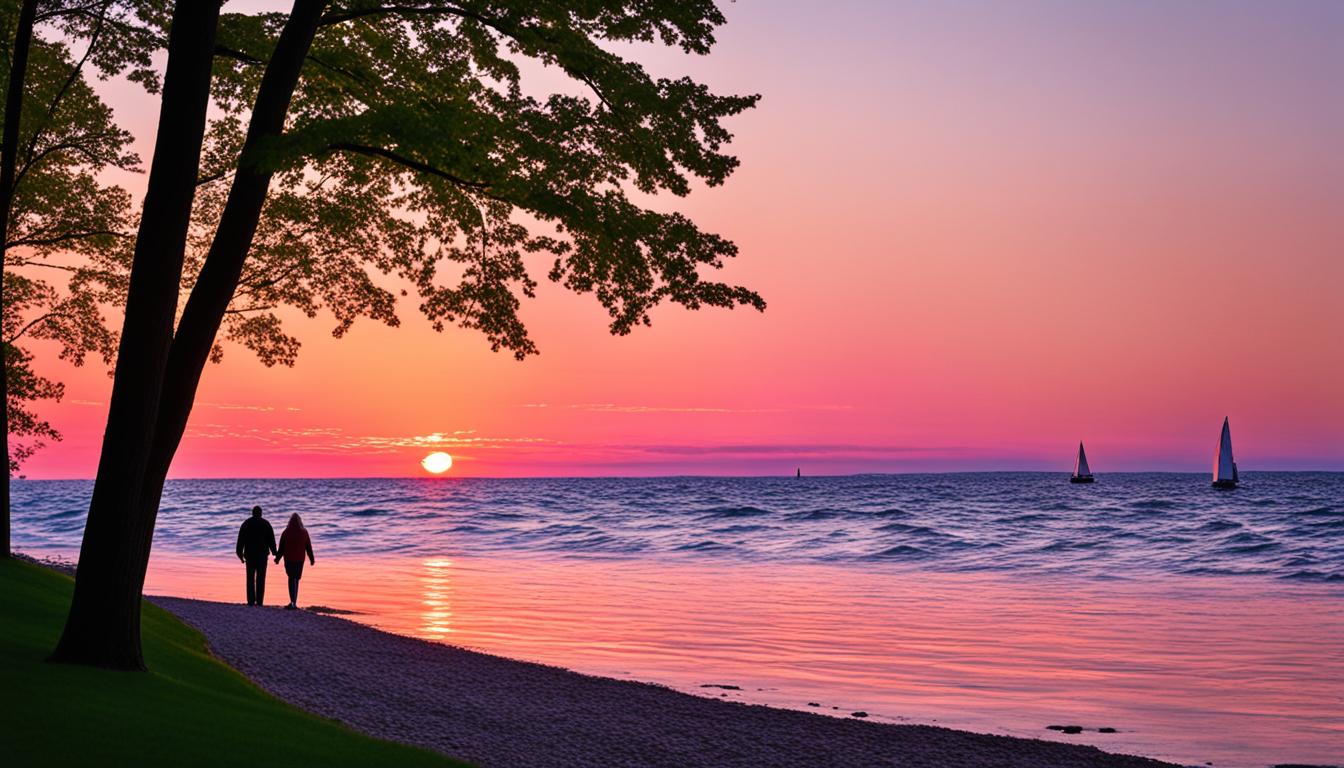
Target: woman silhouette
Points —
{"points": [[294, 544]]}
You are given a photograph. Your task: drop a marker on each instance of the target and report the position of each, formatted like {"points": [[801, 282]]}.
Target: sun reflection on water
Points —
{"points": [[436, 581]]}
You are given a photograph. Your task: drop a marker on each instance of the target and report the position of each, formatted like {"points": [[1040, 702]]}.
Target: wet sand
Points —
{"points": [[499, 712]]}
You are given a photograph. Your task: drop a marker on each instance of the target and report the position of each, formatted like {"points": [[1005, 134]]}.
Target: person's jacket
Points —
{"points": [[295, 544], [256, 539]]}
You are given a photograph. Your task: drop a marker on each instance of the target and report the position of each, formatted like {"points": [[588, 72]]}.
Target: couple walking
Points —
{"points": [[256, 543]]}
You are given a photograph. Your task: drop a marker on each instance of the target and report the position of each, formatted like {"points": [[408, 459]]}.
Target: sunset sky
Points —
{"points": [[984, 231]]}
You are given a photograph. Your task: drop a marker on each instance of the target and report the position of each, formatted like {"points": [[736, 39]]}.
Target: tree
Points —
{"points": [[50, 200], [103, 627], [61, 221], [9, 141], [403, 142]]}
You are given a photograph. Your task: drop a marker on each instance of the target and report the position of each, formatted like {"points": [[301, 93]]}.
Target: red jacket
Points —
{"points": [[295, 545]]}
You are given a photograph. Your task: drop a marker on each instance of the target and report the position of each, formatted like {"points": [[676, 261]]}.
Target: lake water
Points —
{"points": [[1202, 625]]}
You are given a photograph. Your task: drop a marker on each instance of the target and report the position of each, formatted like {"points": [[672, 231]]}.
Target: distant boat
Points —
{"points": [[1081, 472], [1224, 467]]}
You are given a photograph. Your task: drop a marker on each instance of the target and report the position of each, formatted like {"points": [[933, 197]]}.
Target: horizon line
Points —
{"points": [[446, 477]]}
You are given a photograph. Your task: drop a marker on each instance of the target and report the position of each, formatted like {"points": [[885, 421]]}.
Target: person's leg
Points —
{"points": [[261, 580], [295, 572], [251, 589]]}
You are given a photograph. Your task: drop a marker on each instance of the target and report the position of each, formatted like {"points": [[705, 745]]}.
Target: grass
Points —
{"points": [[190, 709]]}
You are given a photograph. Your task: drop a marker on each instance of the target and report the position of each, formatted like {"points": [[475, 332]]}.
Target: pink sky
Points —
{"points": [[983, 232]]}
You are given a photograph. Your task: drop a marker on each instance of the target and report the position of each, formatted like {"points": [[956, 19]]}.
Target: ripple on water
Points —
{"points": [[1283, 524], [742, 511]]}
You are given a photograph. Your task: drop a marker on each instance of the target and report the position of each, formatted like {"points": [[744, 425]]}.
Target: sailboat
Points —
{"points": [[1081, 472], [1224, 467]]}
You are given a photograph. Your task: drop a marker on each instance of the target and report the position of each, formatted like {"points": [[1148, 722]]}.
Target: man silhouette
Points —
{"points": [[256, 541]]}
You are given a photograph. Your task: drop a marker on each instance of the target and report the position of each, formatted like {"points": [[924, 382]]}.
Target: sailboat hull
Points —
{"points": [[1080, 479], [1227, 484]]}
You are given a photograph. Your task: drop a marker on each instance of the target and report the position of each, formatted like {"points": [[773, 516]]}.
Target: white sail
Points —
{"points": [[1224, 468], [1080, 467]]}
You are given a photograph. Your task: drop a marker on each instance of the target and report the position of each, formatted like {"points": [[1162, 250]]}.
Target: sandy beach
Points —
{"points": [[501, 712]]}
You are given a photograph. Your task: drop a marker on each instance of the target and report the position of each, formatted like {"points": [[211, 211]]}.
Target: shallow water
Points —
{"points": [[1202, 625]]}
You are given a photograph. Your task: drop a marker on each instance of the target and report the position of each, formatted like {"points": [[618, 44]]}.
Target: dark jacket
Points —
{"points": [[256, 539], [294, 544]]}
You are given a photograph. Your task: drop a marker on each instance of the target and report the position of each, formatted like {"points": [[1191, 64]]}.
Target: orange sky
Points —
{"points": [[983, 234]]}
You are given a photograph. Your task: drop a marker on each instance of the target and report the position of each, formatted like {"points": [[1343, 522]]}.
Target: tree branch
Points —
{"points": [[69, 81], [76, 144], [202, 181], [43, 264], [339, 17], [251, 289], [244, 310], [236, 55], [37, 242], [35, 321], [402, 160]]}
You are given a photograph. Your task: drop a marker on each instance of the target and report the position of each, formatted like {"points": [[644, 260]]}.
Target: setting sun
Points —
{"points": [[437, 462]]}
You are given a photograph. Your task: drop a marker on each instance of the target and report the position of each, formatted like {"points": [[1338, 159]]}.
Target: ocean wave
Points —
{"points": [[704, 546], [1315, 576], [813, 515], [1153, 504], [744, 511], [1285, 525], [740, 529], [900, 551]]}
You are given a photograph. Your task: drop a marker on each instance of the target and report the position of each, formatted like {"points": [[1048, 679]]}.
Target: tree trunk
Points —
{"points": [[223, 265], [9, 152], [103, 627]]}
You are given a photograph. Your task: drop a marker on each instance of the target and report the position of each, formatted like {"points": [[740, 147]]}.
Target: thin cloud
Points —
{"points": [[340, 442], [809, 449], [308, 432], [231, 432], [239, 407], [628, 408]]}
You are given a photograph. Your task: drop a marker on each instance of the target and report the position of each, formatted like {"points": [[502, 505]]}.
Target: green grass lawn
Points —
{"points": [[189, 710]]}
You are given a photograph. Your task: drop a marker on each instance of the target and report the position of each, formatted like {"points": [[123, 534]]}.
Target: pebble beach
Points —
{"points": [[498, 712]]}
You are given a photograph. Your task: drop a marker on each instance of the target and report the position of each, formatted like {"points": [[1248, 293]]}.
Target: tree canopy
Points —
{"points": [[414, 149], [66, 241]]}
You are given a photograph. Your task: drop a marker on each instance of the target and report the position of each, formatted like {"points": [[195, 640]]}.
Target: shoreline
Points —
{"points": [[500, 712], [189, 708]]}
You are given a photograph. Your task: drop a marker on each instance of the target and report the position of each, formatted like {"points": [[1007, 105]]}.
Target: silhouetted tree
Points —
{"points": [[58, 136], [103, 627], [9, 142], [404, 140]]}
